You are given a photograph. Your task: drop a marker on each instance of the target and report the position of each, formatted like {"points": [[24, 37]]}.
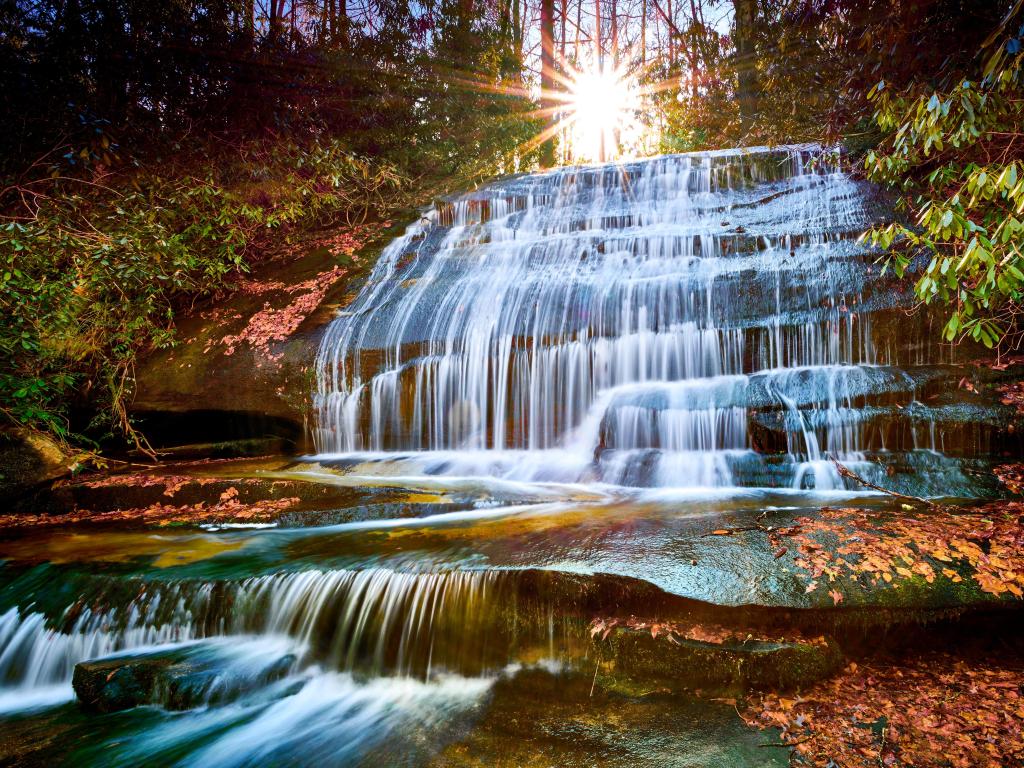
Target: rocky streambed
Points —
{"points": [[583, 471]]}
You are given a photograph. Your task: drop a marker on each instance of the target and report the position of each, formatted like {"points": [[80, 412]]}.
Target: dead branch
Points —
{"points": [[848, 473]]}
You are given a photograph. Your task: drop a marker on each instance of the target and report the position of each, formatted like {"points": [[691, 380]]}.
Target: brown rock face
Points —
{"points": [[242, 367], [27, 461]]}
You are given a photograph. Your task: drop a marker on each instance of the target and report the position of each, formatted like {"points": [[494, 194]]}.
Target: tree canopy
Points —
{"points": [[154, 150]]}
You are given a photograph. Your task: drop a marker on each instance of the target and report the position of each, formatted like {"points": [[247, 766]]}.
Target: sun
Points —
{"points": [[603, 107]]}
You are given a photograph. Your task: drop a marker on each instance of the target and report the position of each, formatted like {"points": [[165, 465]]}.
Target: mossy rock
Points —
{"points": [[637, 663]]}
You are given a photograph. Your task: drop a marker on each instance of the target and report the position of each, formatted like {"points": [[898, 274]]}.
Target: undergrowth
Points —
{"points": [[99, 252]]}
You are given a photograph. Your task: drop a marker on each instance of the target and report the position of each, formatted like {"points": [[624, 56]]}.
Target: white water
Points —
{"points": [[373, 620], [312, 718], [529, 319]]}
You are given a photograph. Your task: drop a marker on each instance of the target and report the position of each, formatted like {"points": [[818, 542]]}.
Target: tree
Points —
{"points": [[547, 77], [746, 61], [957, 157]]}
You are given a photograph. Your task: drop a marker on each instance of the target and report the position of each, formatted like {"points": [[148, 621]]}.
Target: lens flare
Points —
{"points": [[603, 109]]}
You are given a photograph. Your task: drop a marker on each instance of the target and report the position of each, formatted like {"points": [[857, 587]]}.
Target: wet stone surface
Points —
{"points": [[539, 719]]}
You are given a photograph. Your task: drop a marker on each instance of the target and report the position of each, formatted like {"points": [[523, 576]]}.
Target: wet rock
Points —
{"points": [[28, 461], [204, 493], [229, 449], [540, 719], [118, 684], [178, 679], [639, 662], [392, 510]]}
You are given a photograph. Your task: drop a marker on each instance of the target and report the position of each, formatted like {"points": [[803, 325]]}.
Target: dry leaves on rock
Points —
{"points": [[171, 483], [271, 324], [1012, 476], [985, 545], [1013, 394], [935, 710], [227, 511], [228, 507]]}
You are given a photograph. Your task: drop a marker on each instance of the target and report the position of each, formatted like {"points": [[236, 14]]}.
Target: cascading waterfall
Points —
{"points": [[687, 322], [626, 323], [371, 621]]}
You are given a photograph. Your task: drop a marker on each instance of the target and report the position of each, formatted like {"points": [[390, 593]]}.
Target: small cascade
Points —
{"points": [[654, 323], [367, 622]]}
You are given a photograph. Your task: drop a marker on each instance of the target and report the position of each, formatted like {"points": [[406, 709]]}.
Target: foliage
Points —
{"points": [[818, 58], [702, 112], [93, 268], [956, 158], [982, 546], [428, 88], [812, 64]]}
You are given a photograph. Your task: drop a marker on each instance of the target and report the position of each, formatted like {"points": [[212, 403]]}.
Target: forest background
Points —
{"points": [[153, 153]]}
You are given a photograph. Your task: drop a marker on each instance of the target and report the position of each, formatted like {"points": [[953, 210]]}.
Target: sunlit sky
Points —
{"points": [[603, 111]]}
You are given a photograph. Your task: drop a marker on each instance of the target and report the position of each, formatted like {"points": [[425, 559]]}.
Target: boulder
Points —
{"points": [[116, 684], [180, 678], [29, 460]]}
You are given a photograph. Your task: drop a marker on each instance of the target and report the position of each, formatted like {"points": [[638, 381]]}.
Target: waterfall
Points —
{"points": [[371, 621], [626, 322]]}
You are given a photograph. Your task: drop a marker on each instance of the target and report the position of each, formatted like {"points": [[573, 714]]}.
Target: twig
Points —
{"points": [[739, 529], [594, 682], [846, 472], [789, 744]]}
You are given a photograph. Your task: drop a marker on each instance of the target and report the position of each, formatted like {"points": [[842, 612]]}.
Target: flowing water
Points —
{"points": [[573, 367]]}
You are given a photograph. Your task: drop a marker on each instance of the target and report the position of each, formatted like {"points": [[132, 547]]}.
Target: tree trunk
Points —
{"points": [[517, 32], [561, 38], [547, 76], [579, 24], [691, 50], [273, 21], [746, 72], [614, 19], [643, 32], [671, 22]]}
